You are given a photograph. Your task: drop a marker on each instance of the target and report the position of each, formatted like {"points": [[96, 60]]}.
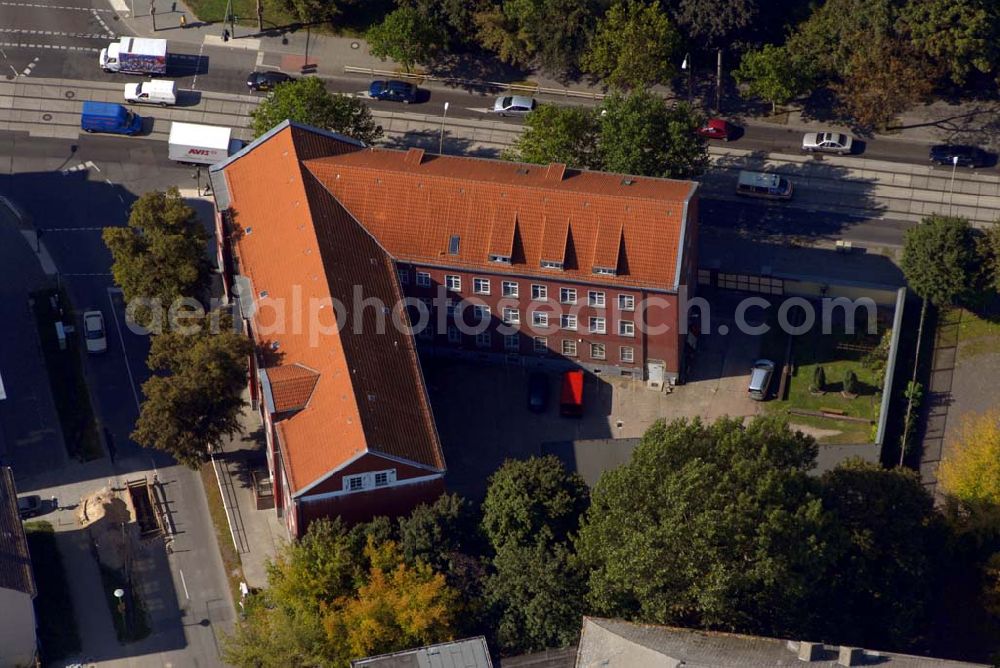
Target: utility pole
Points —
{"points": [[689, 66], [718, 82], [152, 14], [441, 136]]}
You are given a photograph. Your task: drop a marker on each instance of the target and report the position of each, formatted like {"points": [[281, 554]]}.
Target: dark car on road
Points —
{"points": [[393, 91], [29, 506], [266, 80], [963, 156], [538, 392]]}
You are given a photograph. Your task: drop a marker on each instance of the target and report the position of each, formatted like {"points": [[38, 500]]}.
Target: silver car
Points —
{"points": [[93, 332], [514, 105], [827, 142]]}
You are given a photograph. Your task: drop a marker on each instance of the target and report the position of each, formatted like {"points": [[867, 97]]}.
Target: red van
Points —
{"points": [[571, 397]]}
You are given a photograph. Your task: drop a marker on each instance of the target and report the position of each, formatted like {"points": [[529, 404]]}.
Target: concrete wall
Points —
{"points": [[17, 629]]}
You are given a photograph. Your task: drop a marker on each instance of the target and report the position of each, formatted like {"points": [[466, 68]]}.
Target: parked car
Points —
{"points": [[393, 91], [716, 128], [827, 142], [760, 379], [538, 392], [264, 81], [93, 332], [514, 105], [29, 506], [571, 394], [968, 156]]}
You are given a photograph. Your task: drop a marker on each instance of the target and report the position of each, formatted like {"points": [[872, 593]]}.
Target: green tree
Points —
{"points": [[551, 33], [528, 496], [308, 11], [773, 75], [837, 30], [715, 22], [940, 260], [640, 135], [819, 379], [961, 35], [970, 473], [553, 133], [633, 46], [710, 525], [989, 252], [453, 19], [850, 382], [880, 586], [308, 101], [160, 254], [196, 399], [406, 36]]}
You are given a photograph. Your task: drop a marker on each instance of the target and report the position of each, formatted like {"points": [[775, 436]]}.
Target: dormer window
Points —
{"points": [[604, 271], [454, 244], [500, 259], [552, 264]]}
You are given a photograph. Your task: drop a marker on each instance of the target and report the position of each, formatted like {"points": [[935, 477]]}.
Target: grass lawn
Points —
{"points": [[977, 335], [230, 558], [835, 353], [69, 386], [137, 626], [58, 636], [353, 20]]}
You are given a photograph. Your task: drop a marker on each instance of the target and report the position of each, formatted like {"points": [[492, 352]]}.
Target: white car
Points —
{"points": [[93, 332], [827, 142], [514, 105]]}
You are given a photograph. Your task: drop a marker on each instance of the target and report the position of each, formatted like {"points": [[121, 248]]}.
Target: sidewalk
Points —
{"points": [[330, 54]]}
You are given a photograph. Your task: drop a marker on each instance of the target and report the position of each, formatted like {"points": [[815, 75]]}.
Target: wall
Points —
{"points": [[363, 506], [17, 629]]}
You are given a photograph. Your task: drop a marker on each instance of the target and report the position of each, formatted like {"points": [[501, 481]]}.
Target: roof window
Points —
{"points": [[454, 244]]}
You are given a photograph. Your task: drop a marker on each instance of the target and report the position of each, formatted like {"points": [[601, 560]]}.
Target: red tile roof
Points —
{"points": [[414, 205], [291, 386]]}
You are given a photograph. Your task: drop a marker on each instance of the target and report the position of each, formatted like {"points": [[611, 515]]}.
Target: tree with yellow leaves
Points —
{"points": [[970, 472]]}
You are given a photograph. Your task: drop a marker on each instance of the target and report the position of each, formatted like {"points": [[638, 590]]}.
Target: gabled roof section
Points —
{"points": [[288, 387], [414, 209], [502, 236], [607, 247], [15, 562]]}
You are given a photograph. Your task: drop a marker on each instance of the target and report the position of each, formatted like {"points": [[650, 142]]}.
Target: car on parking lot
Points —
{"points": [[393, 91], [827, 142], [29, 506], [956, 154], [264, 81], [538, 392], [716, 128], [93, 332], [760, 379], [514, 105]]}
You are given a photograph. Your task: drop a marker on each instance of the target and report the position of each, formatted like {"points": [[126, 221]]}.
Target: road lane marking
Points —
{"points": [[56, 47], [39, 5], [55, 33], [184, 583]]}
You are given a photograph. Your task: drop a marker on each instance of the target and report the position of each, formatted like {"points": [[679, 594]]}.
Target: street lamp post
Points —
{"points": [[441, 136], [688, 66], [120, 595], [951, 188]]}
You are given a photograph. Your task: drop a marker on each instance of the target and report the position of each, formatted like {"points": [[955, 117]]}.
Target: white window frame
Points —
{"points": [[596, 298], [540, 344], [481, 312], [626, 328], [454, 336], [449, 305], [511, 316], [626, 302], [567, 295], [598, 325], [404, 276], [511, 343], [509, 288], [361, 482], [594, 347], [453, 282], [484, 339], [569, 321], [627, 354], [569, 347], [481, 286], [423, 279], [539, 291], [539, 319]]}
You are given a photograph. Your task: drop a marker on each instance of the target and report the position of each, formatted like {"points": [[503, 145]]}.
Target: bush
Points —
{"points": [[819, 380], [850, 382]]}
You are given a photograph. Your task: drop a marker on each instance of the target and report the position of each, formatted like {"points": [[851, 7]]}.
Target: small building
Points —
{"points": [[468, 653], [18, 643]]}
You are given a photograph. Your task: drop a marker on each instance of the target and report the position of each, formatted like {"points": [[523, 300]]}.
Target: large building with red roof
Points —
{"points": [[347, 260]]}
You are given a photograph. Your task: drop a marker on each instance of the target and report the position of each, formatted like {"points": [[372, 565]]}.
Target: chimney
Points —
{"points": [[810, 651], [850, 656], [555, 171], [414, 156]]}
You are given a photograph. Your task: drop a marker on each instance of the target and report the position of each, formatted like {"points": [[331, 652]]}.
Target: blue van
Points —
{"points": [[109, 117]]}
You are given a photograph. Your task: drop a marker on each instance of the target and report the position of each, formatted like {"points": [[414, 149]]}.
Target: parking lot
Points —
{"points": [[482, 415]]}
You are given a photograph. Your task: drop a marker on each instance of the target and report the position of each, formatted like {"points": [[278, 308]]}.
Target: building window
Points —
{"points": [[481, 286], [597, 351], [382, 479], [509, 288], [369, 480], [355, 483], [539, 319], [510, 343], [511, 316], [500, 259], [539, 291], [481, 312], [423, 279], [541, 344], [568, 321], [450, 307], [428, 304], [626, 303], [627, 354], [453, 282], [551, 264], [595, 298], [597, 325], [483, 339], [569, 347], [626, 328], [454, 336], [404, 276], [604, 271], [567, 295]]}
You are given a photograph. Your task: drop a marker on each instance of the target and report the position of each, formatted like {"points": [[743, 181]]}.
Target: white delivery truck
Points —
{"points": [[135, 55], [154, 91], [201, 144]]}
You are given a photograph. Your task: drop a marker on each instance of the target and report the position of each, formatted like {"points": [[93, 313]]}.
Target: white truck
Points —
{"points": [[135, 55], [154, 91], [201, 144]]}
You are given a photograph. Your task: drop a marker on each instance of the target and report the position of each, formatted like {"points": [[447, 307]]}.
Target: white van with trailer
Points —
{"points": [[154, 91], [766, 185], [201, 144]]}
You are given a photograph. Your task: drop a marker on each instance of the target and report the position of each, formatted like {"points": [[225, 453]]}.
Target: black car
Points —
{"points": [[538, 392], [266, 80], [967, 156], [393, 91], [29, 506]]}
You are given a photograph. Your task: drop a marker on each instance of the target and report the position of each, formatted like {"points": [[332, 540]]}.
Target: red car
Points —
{"points": [[716, 128]]}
